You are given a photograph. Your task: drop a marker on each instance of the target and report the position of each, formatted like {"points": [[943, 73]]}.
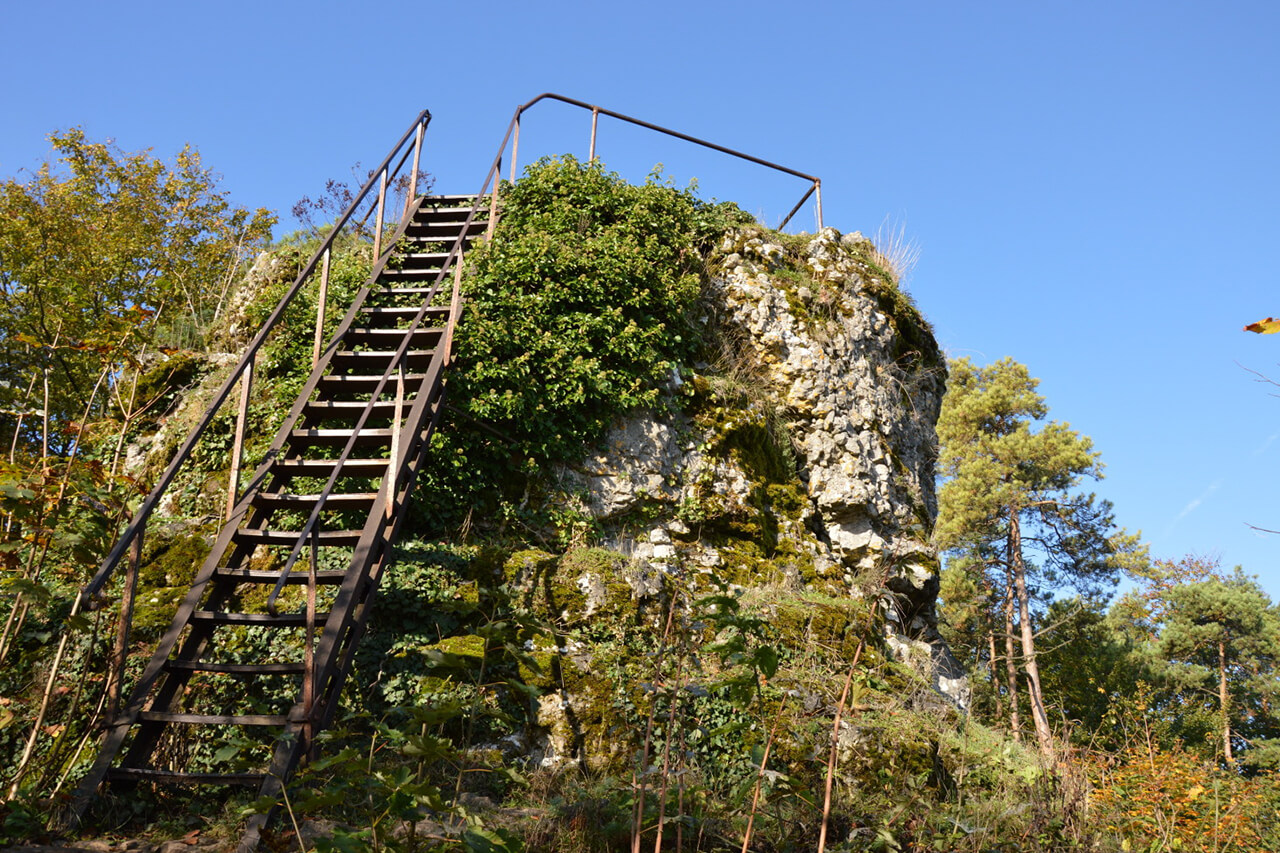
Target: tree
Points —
{"points": [[1008, 515], [103, 253], [1220, 641]]}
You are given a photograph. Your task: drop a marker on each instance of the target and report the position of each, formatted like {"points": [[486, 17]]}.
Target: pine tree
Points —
{"points": [[1220, 639], [1010, 518]]}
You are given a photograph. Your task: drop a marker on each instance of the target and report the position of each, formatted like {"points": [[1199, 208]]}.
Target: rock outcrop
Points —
{"points": [[812, 434]]}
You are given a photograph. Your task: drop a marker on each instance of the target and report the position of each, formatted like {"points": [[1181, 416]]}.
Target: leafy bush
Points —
{"points": [[577, 311]]}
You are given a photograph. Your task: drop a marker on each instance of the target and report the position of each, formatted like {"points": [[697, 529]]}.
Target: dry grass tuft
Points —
{"points": [[895, 252]]}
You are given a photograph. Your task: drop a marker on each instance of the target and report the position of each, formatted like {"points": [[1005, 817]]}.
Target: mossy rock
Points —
{"points": [[173, 560], [153, 610], [460, 652], [523, 567], [165, 381], [543, 676]]}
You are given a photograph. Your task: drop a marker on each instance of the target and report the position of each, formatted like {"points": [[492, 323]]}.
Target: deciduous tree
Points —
{"points": [[102, 251]]}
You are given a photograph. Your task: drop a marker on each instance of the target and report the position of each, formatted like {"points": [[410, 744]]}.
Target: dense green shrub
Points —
{"points": [[577, 311]]}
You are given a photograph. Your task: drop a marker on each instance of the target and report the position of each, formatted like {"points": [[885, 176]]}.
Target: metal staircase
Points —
{"points": [[279, 605]]}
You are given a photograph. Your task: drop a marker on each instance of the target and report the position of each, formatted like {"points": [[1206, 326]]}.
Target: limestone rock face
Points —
{"points": [[823, 357], [862, 422]]}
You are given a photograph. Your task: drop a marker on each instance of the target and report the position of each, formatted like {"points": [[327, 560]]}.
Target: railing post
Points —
{"points": [[308, 652], [412, 192], [455, 305], [377, 228], [817, 195], [120, 653], [237, 448], [515, 150], [320, 309], [595, 116], [493, 202], [394, 467]]}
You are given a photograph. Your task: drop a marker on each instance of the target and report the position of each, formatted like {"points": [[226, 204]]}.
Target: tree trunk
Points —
{"points": [[995, 676], [1010, 663], [1018, 571], [1224, 702]]}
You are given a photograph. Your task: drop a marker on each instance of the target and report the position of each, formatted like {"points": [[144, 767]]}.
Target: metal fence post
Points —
{"points": [[320, 309], [595, 116], [237, 449]]}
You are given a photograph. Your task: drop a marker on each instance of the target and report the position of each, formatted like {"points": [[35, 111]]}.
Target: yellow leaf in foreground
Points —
{"points": [[1269, 326]]}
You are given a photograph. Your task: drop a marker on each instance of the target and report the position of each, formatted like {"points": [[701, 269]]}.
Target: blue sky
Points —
{"points": [[1094, 187]]}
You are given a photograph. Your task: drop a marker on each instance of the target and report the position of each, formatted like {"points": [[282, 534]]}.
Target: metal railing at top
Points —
{"points": [[513, 136], [380, 181]]}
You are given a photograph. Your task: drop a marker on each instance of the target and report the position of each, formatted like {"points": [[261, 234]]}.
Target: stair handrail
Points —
{"points": [[395, 365], [380, 177], [815, 183]]}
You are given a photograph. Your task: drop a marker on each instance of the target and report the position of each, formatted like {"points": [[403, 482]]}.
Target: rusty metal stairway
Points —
{"points": [[280, 604], [284, 596]]}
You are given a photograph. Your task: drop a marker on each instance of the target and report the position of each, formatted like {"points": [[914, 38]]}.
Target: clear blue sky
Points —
{"points": [[1094, 187]]}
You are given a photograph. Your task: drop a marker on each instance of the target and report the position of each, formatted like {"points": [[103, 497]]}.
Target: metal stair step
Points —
{"points": [[384, 334], [451, 212], [336, 501], [339, 412], [412, 274], [283, 620], [419, 258], [448, 198], [266, 576], [236, 668], [406, 313], [324, 467], [357, 383], [368, 359], [214, 719], [435, 231], [383, 337], [315, 437], [408, 291], [175, 777]]}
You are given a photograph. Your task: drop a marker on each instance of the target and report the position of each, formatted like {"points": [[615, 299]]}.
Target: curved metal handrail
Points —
{"points": [[815, 188]]}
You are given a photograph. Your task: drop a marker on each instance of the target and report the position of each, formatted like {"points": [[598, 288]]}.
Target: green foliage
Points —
{"points": [[577, 312], [992, 461], [102, 254], [1088, 670], [1010, 518], [395, 803], [1220, 642]]}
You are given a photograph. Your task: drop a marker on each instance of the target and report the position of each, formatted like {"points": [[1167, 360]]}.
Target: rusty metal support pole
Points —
{"points": [[309, 654], [455, 305], [493, 201], [595, 117], [120, 653], [394, 467], [237, 448], [377, 228], [515, 151], [817, 196], [412, 192], [321, 304]]}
